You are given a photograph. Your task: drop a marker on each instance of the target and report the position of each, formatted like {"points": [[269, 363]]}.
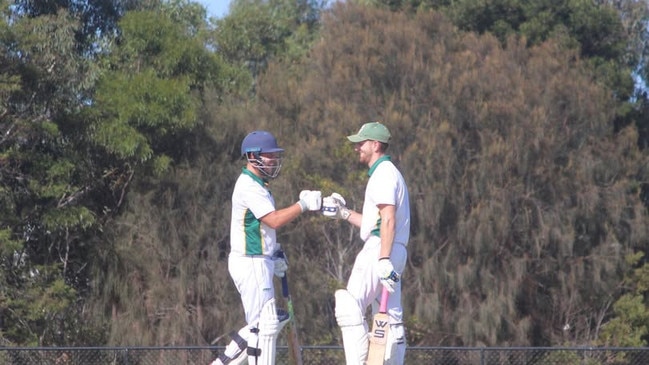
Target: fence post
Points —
{"points": [[482, 356]]}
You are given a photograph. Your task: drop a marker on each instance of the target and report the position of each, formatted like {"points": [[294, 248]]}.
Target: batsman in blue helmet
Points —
{"points": [[255, 256]]}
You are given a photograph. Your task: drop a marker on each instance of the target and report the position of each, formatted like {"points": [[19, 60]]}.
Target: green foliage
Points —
{"points": [[143, 108], [629, 326], [76, 131], [69, 217], [32, 307], [256, 31], [606, 31], [150, 117], [42, 176], [148, 98], [526, 180]]}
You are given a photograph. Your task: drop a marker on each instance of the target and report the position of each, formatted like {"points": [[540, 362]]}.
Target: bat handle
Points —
{"points": [[384, 299], [284, 286]]}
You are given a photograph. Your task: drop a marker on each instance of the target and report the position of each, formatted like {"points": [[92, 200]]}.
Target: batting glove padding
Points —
{"points": [[388, 276], [280, 263], [310, 200], [334, 207]]}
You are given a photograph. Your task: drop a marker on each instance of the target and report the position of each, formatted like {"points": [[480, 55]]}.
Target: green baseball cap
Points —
{"points": [[372, 130]]}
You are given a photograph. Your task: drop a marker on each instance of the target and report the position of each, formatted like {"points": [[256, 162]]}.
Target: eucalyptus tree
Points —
{"points": [[255, 31], [46, 215], [79, 124], [53, 190], [151, 118], [98, 18]]}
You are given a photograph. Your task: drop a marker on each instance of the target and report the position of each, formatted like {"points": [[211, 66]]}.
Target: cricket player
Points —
{"points": [[254, 257], [385, 228]]}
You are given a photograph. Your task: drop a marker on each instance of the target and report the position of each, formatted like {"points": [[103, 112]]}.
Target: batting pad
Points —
{"points": [[353, 326], [234, 350], [270, 323], [395, 353]]}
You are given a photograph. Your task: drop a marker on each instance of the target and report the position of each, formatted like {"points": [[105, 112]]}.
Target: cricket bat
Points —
{"points": [[379, 333], [294, 349]]}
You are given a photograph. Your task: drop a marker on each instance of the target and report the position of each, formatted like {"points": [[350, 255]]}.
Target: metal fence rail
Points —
{"points": [[326, 355]]}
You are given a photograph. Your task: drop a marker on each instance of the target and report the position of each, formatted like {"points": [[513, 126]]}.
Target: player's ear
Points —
{"points": [[376, 145]]}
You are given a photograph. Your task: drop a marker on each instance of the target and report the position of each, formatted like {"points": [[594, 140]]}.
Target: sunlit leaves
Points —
{"points": [[256, 31], [41, 300], [69, 217], [138, 109]]}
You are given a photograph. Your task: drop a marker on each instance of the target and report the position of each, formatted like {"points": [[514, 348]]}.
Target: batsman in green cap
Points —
{"points": [[385, 228]]}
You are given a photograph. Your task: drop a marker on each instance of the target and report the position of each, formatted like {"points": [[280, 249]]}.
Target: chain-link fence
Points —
{"points": [[325, 355]]}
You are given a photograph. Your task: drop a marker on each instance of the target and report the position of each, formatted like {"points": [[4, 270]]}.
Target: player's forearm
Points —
{"points": [[355, 218], [387, 236], [281, 217]]}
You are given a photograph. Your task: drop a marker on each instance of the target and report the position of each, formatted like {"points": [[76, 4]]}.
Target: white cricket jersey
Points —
{"points": [[251, 200], [386, 186]]}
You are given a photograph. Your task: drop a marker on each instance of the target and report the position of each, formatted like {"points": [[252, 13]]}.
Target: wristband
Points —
{"points": [[302, 205]]}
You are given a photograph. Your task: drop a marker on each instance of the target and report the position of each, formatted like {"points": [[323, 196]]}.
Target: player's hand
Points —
{"points": [[280, 263], [333, 206], [310, 200], [388, 276]]}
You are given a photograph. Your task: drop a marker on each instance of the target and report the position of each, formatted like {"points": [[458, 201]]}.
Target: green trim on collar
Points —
{"points": [[381, 159], [259, 180]]}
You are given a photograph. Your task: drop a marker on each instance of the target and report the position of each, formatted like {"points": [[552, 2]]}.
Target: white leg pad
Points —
{"points": [[271, 323], [395, 352], [241, 359], [253, 346], [234, 351], [353, 326]]}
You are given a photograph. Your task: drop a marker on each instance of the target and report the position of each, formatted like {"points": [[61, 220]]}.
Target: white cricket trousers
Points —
{"points": [[253, 278], [364, 283]]}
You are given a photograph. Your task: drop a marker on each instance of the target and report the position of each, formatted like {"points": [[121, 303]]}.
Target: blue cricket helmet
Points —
{"points": [[260, 142]]}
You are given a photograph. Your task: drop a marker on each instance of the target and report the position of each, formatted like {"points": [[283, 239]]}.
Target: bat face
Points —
{"points": [[380, 329], [379, 334], [378, 339]]}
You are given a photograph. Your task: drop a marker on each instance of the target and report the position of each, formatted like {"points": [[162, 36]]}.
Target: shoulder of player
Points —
{"points": [[386, 168]]}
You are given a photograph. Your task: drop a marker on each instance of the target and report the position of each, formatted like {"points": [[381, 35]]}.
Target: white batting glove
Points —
{"points": [[280, 263], [388, 276], [334, 207], [310, 200]]}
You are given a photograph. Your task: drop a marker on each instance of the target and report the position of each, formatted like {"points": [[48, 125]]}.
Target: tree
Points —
{"points": [[45, 219], [255, 31], [77, 131], [527, 183], [98, 18], [150, 119], [628, 326], [520, 217]]}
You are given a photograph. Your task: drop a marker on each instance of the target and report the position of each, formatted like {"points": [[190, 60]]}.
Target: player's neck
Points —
{"points": [[375, 157], [250, 167]]}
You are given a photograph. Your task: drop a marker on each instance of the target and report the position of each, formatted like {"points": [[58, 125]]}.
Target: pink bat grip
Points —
{"points": [[384, 300]]}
